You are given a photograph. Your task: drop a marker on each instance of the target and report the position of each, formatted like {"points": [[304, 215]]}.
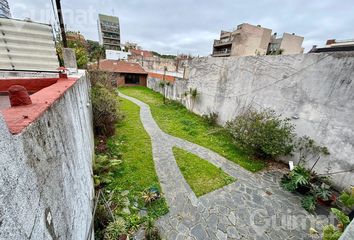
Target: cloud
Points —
{"points": [[189, 26]]}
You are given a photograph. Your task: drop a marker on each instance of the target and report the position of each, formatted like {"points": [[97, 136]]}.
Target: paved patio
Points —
{"points": [[254, 207]]}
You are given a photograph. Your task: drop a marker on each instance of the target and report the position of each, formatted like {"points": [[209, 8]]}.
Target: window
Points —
{"points": [[132, 79]]}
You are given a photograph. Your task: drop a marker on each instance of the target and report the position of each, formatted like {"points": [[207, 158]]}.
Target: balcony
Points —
{"points": [[110, 29], [223, 42], [222, 53]]}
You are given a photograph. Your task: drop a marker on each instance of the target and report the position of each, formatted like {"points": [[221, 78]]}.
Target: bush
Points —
{"points": [[298, 177], [262, 133], [211, 118], [104, 78], [105, 111], [115, 229], [309, 203]]}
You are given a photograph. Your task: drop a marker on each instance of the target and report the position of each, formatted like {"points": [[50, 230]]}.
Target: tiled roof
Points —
{"points": [[121, 67], [137, 52]]}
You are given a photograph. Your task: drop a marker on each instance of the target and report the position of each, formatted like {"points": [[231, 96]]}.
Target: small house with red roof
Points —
{"points": [[125, 73]]}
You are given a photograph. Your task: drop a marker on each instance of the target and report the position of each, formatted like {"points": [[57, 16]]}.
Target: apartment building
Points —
{"points": [[109, 32], [250, 40], [4, 9], [288, 44], [245, 40]]}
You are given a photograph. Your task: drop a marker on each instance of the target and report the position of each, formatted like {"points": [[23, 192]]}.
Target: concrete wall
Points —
{"points": [[315, 90], [46, 172]]}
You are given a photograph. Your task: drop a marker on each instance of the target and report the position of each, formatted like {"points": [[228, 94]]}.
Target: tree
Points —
{"points": [[79, 45], [96, 52]]}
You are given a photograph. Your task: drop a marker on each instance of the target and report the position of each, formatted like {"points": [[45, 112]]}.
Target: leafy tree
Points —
{"points": [[80, 48], [96, 52]]}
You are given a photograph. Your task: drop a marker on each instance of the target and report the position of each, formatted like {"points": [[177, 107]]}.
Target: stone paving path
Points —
{"points": [[253, 207]]}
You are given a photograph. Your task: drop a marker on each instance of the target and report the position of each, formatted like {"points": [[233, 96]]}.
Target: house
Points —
{"points": [[124, 73]]}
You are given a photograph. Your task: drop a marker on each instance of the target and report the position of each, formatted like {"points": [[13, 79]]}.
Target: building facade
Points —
{"points": [[109, 31], [4, 9], [288, 44], [245, 40], [250, 40]]}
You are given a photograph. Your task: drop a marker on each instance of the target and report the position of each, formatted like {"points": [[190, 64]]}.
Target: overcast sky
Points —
{"points": [[189, 26]]}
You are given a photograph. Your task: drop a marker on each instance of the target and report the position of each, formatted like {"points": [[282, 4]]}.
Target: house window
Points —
{"points": [[132, 79]]}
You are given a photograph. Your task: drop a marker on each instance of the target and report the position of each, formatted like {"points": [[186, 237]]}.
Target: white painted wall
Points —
{"points": [[46, 172], [318, 89], [116, 55]]}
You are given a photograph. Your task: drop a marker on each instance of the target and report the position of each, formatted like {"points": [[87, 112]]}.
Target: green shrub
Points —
{"points": [[342, 217], [103, 169], [331, 233], [115, 229], [298, 177], [103, 78], [151, 232], [105, 111], [347, 198], [211, 118], [262, 133], [309, 203]]}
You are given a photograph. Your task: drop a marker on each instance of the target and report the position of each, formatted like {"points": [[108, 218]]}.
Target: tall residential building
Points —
{"points": [[4, 9], [245, 40], [250, 40], [109, 32]]}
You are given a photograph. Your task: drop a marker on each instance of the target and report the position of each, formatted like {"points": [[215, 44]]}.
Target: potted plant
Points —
{"points": [[324, 194]]}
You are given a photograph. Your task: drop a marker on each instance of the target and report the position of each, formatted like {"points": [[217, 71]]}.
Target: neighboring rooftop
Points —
{"points": [[121, 67], [333, 45], [138, 52]]}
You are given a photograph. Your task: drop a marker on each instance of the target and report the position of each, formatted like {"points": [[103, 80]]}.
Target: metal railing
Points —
{"points": [[223, 41], [225, 51]]}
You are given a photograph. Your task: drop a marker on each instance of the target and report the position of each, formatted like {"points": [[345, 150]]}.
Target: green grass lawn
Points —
{"points": [[202, 176], [176, 120], [134, 145]]}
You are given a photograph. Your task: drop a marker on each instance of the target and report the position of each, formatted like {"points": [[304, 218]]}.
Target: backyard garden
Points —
{"points": [[128, 192]]}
